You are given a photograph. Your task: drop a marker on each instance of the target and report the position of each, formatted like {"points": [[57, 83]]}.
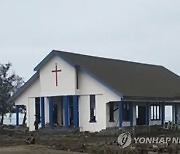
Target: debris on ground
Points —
{"points": [[84, 142]]}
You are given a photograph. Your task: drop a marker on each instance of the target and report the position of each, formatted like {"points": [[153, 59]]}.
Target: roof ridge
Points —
{"points": [[106, 58]]}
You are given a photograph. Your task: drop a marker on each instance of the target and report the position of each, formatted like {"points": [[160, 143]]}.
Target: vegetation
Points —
{"points": [[9, 84]]}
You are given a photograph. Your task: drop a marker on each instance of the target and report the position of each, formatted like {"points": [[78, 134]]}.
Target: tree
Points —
{"points": [[9, 84]]}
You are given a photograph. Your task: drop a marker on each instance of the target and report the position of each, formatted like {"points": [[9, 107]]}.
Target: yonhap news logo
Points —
{"points": [[125, 139]]}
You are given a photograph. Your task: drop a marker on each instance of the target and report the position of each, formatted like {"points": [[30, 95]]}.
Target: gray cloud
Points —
{"points": [[144, 31]]}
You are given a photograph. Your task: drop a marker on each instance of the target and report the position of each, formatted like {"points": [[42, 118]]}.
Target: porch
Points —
{"points": [[55, 111], [141, 113]]}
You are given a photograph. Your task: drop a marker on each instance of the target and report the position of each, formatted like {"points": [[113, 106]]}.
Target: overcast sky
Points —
{"points": [[145, 31]]}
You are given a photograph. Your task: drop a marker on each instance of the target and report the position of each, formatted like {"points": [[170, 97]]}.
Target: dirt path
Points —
{"points": [[33, 149]]}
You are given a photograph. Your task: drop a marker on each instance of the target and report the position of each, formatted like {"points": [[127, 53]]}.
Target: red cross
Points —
{"points": [[56, 71]]}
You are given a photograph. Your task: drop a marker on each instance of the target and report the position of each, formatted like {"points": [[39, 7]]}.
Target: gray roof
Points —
{"points": [[131, 80]]}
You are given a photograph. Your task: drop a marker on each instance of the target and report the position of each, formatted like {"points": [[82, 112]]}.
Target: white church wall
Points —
{"points": [[31, 91], [87, 86], [66, 78], [31, 114], [84, 113], [26, 98]]}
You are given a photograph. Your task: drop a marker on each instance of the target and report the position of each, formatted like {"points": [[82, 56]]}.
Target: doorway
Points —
{"points": [[37, 109], [71, 112], [168, 113], [55, 114], [140, 115]]}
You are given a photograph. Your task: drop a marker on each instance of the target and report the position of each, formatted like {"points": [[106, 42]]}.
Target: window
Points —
{"points": [[77, 76], [92, 108], [155, 111], [111, 112], [126, 111]]}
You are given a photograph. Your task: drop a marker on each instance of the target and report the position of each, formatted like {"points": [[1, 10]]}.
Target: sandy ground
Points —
{"points": [[32, 149]]}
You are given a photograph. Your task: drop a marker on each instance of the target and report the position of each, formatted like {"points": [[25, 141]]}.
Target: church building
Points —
{"points": [[93, 93]]}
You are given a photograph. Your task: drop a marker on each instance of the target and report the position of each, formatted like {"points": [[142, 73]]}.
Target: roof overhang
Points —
{"points": [[24, 87], [150, 99]]}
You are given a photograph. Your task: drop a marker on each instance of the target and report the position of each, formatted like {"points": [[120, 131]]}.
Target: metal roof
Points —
{"points": [[132, 80]]}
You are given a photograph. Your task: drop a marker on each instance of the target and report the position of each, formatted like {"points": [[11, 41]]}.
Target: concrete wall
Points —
{"points": [[66, 78], [32, 91], [88, 85], [31, 113], [26, 98]]}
